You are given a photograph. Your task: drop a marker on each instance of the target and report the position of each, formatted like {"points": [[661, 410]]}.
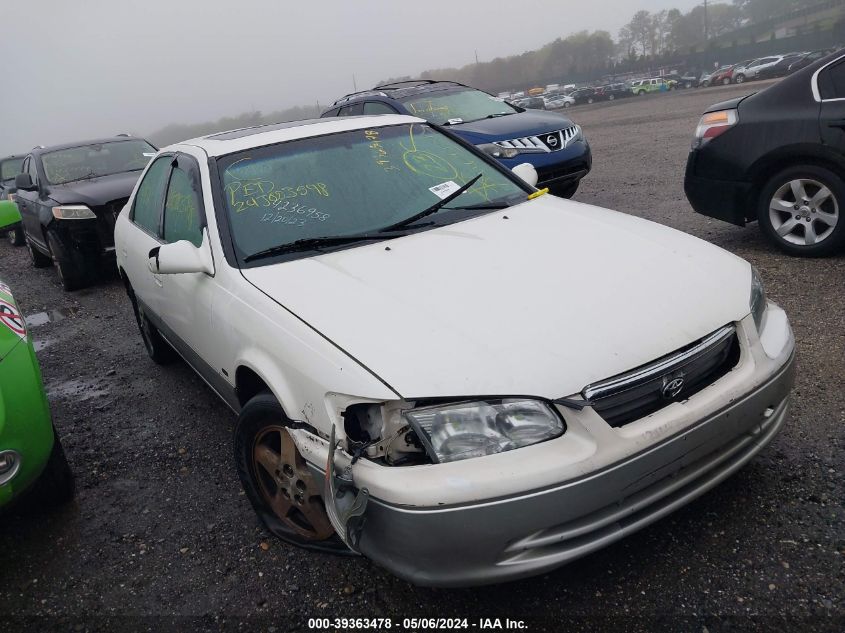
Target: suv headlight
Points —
{"points": [[496, 151], [758, 299], [474, 429], [73, 212]]}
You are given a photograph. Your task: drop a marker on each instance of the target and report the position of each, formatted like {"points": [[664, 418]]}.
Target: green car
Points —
{"points": [[32, 461]]}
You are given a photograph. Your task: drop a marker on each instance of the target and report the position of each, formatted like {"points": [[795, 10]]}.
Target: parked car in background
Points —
{"points": [[556, 102], [611, 92], [32, 463], [69, 196], [781, 68], [752, 71], [551, 142], [9, 168], [724, 76], [655, 84], [584, 95], [805, 60], [347, 439], [778, 157], [531, 103]]}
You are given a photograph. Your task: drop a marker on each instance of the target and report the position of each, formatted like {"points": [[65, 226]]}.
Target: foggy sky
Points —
{"points": [[76, 69]]}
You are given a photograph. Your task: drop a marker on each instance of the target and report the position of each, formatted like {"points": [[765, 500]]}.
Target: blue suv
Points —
{"points": [[510, 134]]}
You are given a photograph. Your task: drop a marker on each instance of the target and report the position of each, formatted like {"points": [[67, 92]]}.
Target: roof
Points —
{"points": [[224, 143], [401, 89], [96, 141]]}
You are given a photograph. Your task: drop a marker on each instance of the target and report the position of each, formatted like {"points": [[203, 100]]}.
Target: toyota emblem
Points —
{"points": [[672, 386], [551, 140]]}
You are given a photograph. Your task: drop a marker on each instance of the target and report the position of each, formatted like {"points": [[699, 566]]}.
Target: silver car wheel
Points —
{"points": [[804, 212]]}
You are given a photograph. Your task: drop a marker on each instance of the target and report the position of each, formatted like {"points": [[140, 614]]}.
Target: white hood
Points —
{"points": [[556, 296]]}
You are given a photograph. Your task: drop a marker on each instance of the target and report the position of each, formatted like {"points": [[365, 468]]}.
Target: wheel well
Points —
{"points": [[769, 166], [248, 384]]}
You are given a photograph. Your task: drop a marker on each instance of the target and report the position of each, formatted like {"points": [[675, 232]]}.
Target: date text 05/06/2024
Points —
{"points": [[415, 624]]}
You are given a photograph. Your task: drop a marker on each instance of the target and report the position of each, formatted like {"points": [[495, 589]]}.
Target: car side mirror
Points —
{"points": [[182, 257], [24, 182], [527, 172], [9, 214]]}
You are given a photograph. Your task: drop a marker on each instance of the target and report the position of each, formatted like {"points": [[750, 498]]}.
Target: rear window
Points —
{"points": [[10, 168]]}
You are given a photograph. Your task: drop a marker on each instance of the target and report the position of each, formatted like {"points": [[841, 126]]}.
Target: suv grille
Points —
{"points": [[675, 377], [548, 142], [106, 217]]}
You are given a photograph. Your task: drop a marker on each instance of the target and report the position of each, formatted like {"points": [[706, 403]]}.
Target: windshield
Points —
{"points": [[100, 159], [460, 105], [10, 168], [352, 182]]}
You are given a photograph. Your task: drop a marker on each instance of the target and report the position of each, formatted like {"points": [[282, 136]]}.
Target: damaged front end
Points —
{"points": [[345, 506]]}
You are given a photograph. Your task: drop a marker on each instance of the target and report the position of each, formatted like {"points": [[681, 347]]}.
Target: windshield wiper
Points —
{"points": [[433, 208], [316, 243], [481, 207]]}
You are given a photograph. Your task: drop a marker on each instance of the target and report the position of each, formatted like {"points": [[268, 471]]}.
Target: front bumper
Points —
{"points": [[529, 534], [92, 238], [721, 199], [565, 167], [25, 423]]}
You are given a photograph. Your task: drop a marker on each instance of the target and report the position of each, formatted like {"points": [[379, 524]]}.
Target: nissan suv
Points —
{"points": [[511, 134], [69, 196]]}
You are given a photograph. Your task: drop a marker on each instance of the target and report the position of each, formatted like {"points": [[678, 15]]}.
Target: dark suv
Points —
{"points": [[551, 142], [69, 197], [9, 168]]}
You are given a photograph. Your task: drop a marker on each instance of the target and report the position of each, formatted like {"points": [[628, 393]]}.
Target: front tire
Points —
{"points": [[800, 211], [611, 97], [71, 266], [157, 348], [55, 485], [38, 259], [277, 480]]}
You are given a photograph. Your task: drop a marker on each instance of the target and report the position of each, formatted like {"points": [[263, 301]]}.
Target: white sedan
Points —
{"points": [[436, 365]]}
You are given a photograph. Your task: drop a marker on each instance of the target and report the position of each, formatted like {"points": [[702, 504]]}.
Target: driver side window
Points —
{"points": [[182, 217]]}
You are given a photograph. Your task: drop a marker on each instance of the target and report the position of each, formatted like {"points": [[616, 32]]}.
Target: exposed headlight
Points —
{"points": [[491, 149], [475, 429], [758, 299], [73, 212], [10, 462]]}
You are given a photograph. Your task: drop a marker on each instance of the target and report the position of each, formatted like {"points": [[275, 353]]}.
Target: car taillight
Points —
{"points": [[712, 125]]}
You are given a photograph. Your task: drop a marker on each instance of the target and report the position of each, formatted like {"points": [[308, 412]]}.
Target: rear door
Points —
{"points": [[831, 92]]}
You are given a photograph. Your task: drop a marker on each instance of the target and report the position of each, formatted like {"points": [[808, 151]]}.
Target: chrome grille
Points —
{"points": [[548, 142], [673, 378]]}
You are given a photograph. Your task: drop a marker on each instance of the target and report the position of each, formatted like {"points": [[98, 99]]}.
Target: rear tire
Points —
{"points": [[740, 79], [816, 228], [276, 479], [726, 81], [71, 266], [16, 237], [38, 259], [611, 97]]}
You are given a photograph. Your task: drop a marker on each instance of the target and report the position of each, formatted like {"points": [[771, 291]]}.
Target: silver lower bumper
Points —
{"points": [[528, 534]]}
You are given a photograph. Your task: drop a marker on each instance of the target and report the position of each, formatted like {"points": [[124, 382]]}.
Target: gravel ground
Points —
{"points": [[160, 536]]}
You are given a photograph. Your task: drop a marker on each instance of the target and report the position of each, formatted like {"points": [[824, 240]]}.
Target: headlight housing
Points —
{"points": [[496, 151], [758, 301], [453, 432], [73, 212]]}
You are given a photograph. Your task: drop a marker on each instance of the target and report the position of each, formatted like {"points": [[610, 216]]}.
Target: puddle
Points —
{"points": [[77, 389], [43, 318]]}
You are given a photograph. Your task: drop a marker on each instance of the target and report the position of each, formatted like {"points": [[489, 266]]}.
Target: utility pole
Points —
{"points": [[706, 25], [354, 83], [476, 57]]}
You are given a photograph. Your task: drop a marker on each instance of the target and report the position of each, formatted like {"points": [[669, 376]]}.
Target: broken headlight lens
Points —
{"points": [[475, 429], [758, 299]]}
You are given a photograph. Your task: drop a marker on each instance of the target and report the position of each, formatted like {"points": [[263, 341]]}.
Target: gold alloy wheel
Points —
{"points": [[288, 486]]}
